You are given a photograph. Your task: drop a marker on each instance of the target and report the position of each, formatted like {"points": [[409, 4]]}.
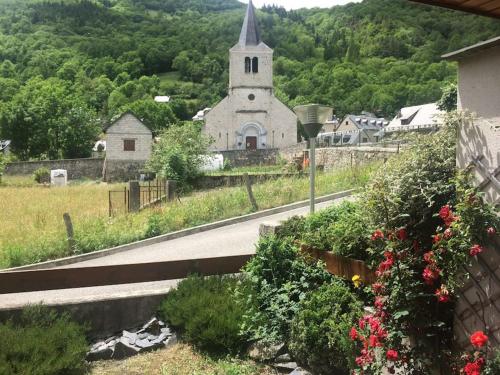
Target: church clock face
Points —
{"points": [[251, 97]]}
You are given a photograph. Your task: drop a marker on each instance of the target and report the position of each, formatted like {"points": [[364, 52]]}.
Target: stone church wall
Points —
{"points": [[77, 168], [246, 158]]}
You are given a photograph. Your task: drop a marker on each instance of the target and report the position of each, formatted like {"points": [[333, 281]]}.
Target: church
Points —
{"points": [[250, 117]]}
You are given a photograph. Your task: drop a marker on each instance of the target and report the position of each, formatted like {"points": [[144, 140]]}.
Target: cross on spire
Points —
{"points": [[250, 32]]}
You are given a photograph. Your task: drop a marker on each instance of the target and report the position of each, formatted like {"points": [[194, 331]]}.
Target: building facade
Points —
{"points": [[251, 117], [479, 93], [128, 146]]}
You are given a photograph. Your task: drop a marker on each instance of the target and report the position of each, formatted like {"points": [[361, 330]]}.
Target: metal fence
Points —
{"points": [[118, 201], [152, 192]]}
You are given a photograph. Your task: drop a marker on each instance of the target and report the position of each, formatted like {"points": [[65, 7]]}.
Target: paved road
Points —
{"points": [[237, 239]]}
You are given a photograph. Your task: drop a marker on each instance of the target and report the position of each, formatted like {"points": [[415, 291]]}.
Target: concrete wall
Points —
{"points": [[77, 168], [479, 83], [244, 158], [128, 127], [481, 137]]}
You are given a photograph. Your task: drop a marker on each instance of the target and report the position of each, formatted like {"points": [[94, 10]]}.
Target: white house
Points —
{"points": [[419, 117], [128, 146], [251, 117]]}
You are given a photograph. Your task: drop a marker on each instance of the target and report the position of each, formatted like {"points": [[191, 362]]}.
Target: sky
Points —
{"points": [[295, 4]]}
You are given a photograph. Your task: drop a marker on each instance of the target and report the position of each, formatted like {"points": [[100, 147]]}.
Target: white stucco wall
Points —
{"points": [[479, 83], [128, 127]]}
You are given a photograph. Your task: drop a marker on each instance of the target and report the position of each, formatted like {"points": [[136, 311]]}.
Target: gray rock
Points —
{"points": [[172, 340], [152, 327], [286, 366], [265, 352], [111, 339], [97, 345], [142, 336], [131, 337], [283, 358], [300, 371], [100, 354], [124, 350], [166, 330], [144, 344], [112, 343], [160, 339]]}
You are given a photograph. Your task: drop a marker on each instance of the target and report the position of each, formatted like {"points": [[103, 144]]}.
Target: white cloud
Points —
{"points": [[296, 4]]}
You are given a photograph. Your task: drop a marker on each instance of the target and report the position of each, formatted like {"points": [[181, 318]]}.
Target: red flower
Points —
{"points": [[491, 231], [430, 275], [378, 234], [353, 334], [429, 257], [474, 250], [374, 341], [472, 368], [377, 288], [392, 355], [436, 238], [445, 212], [448, 234], [478, 339], [379, 303], [442, 294], [402, 234]]}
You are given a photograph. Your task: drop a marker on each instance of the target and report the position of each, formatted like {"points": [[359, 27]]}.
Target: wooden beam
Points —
{"points": [[67, 278], [479, 9]]}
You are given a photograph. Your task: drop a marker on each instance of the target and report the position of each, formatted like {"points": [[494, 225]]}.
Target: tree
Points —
{"points": [[46, 120], [158, 116], [448, 101], [180, 153]]}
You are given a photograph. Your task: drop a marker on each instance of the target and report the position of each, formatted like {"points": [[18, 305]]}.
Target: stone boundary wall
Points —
{"points": [[123, 170], [478, 303], [77, 168], [211, 182], [247, 158], [341, 157]]}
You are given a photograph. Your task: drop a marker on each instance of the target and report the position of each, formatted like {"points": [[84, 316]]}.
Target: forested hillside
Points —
{"points": [[69, 66]]}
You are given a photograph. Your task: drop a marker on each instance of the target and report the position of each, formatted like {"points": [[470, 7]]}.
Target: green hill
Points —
{"points": [[105, 56]]}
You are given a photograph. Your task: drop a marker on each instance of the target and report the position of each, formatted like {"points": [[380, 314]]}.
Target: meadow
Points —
{"points": [[32, 227]]}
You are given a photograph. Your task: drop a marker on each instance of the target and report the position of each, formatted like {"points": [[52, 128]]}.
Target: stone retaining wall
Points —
{"points": [[341, 157], [246, 158], [77, 168], [123, 170]]}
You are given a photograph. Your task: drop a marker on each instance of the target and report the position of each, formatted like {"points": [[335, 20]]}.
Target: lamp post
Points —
{"points": [[312, 117]]}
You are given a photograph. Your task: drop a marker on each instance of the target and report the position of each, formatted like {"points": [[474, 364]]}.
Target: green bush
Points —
{"points": [[320, 331], [278, 278], [42, 343], [204, 311], [41, 175], [493, 365]]}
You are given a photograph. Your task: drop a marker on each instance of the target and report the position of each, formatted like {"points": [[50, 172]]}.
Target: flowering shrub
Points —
{"points": [[416, 279]]}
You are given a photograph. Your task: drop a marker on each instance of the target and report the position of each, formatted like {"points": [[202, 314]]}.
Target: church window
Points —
{"points": [[255, 65], [220, 135], [282, 135], [248, 65], [251, 97]]}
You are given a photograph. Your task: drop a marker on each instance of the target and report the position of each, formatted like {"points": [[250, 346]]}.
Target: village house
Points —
{"points": [[425, 117], [128, 146], [250, 117], [355, 129], [479, 93]]}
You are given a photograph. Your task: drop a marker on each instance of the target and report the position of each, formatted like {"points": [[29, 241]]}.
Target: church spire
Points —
{"points": [[250, 33]]}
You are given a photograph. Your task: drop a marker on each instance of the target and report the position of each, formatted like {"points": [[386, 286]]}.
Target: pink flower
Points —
{"points": [[429, 257], [478, 339], [353, 334], [378, 234], [402, 234], [392, 355], [430, 275], [448, 233], [436, 238], [379, 303], [474, 250], [442, 294], [374, 341], [445, 212], [491, 231], [377, 288]]}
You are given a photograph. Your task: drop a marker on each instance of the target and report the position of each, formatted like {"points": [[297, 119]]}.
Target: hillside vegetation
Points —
{"points": [[69, 66]]}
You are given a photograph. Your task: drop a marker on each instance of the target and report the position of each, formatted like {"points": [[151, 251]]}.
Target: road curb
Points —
{"points": [[178, 234]]}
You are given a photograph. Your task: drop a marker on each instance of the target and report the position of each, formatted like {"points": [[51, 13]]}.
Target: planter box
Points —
{"points": [[341, 266]]}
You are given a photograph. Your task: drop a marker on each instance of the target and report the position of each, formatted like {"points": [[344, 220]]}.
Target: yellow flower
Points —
{"points": [[356, 279]]}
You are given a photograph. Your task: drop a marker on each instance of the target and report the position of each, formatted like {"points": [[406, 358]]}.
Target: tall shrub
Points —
{"points": [[278, 279], [42, 343], [180, 153]]}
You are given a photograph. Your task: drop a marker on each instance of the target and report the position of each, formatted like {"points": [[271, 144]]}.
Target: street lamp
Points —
{"points": [[312, 117]]}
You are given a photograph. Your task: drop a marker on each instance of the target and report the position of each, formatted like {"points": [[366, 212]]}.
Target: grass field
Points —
{"points": [[179, 360], [32, 227]]}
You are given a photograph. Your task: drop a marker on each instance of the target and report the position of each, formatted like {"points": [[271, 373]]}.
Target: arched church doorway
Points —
{"points": [[251, 143]]}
